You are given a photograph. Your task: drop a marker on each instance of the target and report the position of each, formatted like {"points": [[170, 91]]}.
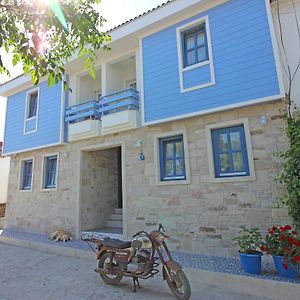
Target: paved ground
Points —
{"points": [[30, 274]]}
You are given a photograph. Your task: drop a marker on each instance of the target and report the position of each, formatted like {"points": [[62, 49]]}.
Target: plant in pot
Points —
{"points": [[249, 242], [283, 244]]}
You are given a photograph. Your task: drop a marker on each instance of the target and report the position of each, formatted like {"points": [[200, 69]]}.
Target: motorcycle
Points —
{"points": [[137, 259]]}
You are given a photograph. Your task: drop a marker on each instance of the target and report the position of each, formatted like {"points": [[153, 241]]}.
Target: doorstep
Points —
{"points": [[210, 270]]}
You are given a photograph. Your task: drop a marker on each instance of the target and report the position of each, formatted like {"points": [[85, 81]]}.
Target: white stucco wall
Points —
{"points": [[290, 53], [4, 170]]}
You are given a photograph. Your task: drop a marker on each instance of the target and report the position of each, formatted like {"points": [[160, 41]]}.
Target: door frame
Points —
{"points": [[97, 147]]}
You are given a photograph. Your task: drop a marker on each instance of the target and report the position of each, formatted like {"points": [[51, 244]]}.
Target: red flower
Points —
{"points": [[285, 265], [262, 248], [296, 259], [288, 227], [282, 237], [294, 232], [274, 228]]}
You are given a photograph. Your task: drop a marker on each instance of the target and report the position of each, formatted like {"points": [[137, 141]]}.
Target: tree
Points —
{"points": [[43, 35]]}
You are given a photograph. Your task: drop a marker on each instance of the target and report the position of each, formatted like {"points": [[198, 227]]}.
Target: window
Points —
{"points": [[26, 174], [50, 176], [172, 161], [194, 45], [230, 152], [32, 104]]}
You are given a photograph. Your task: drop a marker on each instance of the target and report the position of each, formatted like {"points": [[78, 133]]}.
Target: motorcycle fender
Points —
{"points": [[101, 252], [173, 265]]}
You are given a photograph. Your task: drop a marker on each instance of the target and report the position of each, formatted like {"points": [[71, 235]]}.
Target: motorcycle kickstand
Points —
{"points": [[136, 284]]}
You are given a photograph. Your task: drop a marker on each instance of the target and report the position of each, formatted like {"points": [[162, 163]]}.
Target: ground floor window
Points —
{"points": [[27, 169], [230, 152], [50, 172], [172, 161]]}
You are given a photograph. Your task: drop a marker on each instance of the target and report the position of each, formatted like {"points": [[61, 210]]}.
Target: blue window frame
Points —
{"points": [[172, 163], [32, 106], [230, 152], [195, 49], [50, 171], [27, 174]]}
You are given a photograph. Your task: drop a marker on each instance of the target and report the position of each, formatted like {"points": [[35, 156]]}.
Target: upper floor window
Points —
{"points": [[27, 169], [194, 45], [50, 172], [230, 152], [172, 160], [32, 103]]}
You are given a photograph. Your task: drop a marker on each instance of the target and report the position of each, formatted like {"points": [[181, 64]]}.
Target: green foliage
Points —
{"points": [[43, 37], [249, 240], [290, 175]]}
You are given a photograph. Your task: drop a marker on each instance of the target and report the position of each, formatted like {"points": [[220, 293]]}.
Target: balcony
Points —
{"points": [[116, 112], [83, 120]]}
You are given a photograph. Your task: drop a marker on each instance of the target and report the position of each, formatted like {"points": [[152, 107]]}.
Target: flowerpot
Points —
{"points": [[251, 263], [290, 272]]}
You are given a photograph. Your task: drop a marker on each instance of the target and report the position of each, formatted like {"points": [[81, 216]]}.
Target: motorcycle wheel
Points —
{"points": [[104, 263], [179, 284]]}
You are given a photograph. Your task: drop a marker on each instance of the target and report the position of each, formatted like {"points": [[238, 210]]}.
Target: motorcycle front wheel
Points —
{"points": [[179, 284], [104, 263]]}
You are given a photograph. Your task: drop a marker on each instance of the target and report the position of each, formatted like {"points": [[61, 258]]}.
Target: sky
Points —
{"points": [[115, 12]]}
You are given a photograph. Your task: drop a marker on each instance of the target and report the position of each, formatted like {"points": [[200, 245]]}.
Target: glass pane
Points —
{"points": [[33, 105], [169, 168], [235, 140], [202, 55], [190, 41], [225, 163], [191, 58], [223, 142], [200, 38], [179, 149], [238, 164], [179, 166], [169, 150]]}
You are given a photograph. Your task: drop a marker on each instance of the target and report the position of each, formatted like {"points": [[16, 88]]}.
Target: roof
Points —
{"points": [[110, 30], [141, 15]]}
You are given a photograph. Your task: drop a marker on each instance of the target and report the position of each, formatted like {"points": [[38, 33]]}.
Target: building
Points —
{"points": [[4, 167], [179, 127]]}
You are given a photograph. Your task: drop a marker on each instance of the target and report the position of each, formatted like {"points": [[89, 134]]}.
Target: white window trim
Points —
{"points": [[43, 188], [21, 172], [209, 62], [26, 119], [157, 158], [208, 129]]}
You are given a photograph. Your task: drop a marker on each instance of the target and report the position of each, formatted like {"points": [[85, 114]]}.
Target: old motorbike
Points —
{"points": [[138, 259]]}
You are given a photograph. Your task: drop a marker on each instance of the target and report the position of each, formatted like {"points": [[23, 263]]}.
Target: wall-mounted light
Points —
{"points": [[263, 120]]}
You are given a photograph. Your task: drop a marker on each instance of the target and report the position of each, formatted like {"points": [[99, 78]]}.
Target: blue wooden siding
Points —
{"points": [[197, 76], [48, 120], [243, 57]]}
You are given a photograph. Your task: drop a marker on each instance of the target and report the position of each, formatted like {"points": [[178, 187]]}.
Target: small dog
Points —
{"points": [[60, 235]]}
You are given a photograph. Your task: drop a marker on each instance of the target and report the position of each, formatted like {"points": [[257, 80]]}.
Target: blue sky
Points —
{"points": [[116, 12]]}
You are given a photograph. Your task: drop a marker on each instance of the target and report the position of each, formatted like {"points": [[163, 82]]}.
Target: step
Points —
{"points": [[118, 211], [114, 224], [116, 217]]}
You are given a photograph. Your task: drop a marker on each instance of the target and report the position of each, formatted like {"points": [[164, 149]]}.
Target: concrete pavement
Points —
{"points": [[30, 274]]}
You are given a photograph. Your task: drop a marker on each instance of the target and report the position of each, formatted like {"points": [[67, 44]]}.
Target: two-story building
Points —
{"points": [[180, 126]]}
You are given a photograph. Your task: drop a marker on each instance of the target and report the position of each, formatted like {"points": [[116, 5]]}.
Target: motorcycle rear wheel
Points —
{"points": [[104, 263], [179, 284]]}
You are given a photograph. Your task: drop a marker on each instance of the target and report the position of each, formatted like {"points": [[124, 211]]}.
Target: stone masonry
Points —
{"points": [[200, 216]]}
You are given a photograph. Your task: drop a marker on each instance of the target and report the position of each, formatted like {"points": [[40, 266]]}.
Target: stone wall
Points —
{"points": [[99, 187], [200, 216]]}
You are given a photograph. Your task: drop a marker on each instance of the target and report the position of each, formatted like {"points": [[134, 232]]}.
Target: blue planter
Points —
{"points": [[251, 263], [291, 272]]}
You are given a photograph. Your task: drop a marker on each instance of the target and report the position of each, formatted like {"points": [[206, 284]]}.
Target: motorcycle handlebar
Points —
{"points": [[139, 232]]}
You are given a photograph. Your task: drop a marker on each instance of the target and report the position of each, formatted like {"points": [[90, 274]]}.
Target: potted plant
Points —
{"points": [[249, 242], [283, 244]]}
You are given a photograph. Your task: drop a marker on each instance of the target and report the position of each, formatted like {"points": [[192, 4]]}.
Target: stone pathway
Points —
{"points": [[30, 274]]}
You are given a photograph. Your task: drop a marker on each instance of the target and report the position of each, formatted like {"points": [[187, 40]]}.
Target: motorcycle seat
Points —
{"points": [[115, 243]]}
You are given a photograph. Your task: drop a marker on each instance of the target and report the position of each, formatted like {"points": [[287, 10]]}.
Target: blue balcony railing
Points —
{"points": [[83, 111], [119, 101]]}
